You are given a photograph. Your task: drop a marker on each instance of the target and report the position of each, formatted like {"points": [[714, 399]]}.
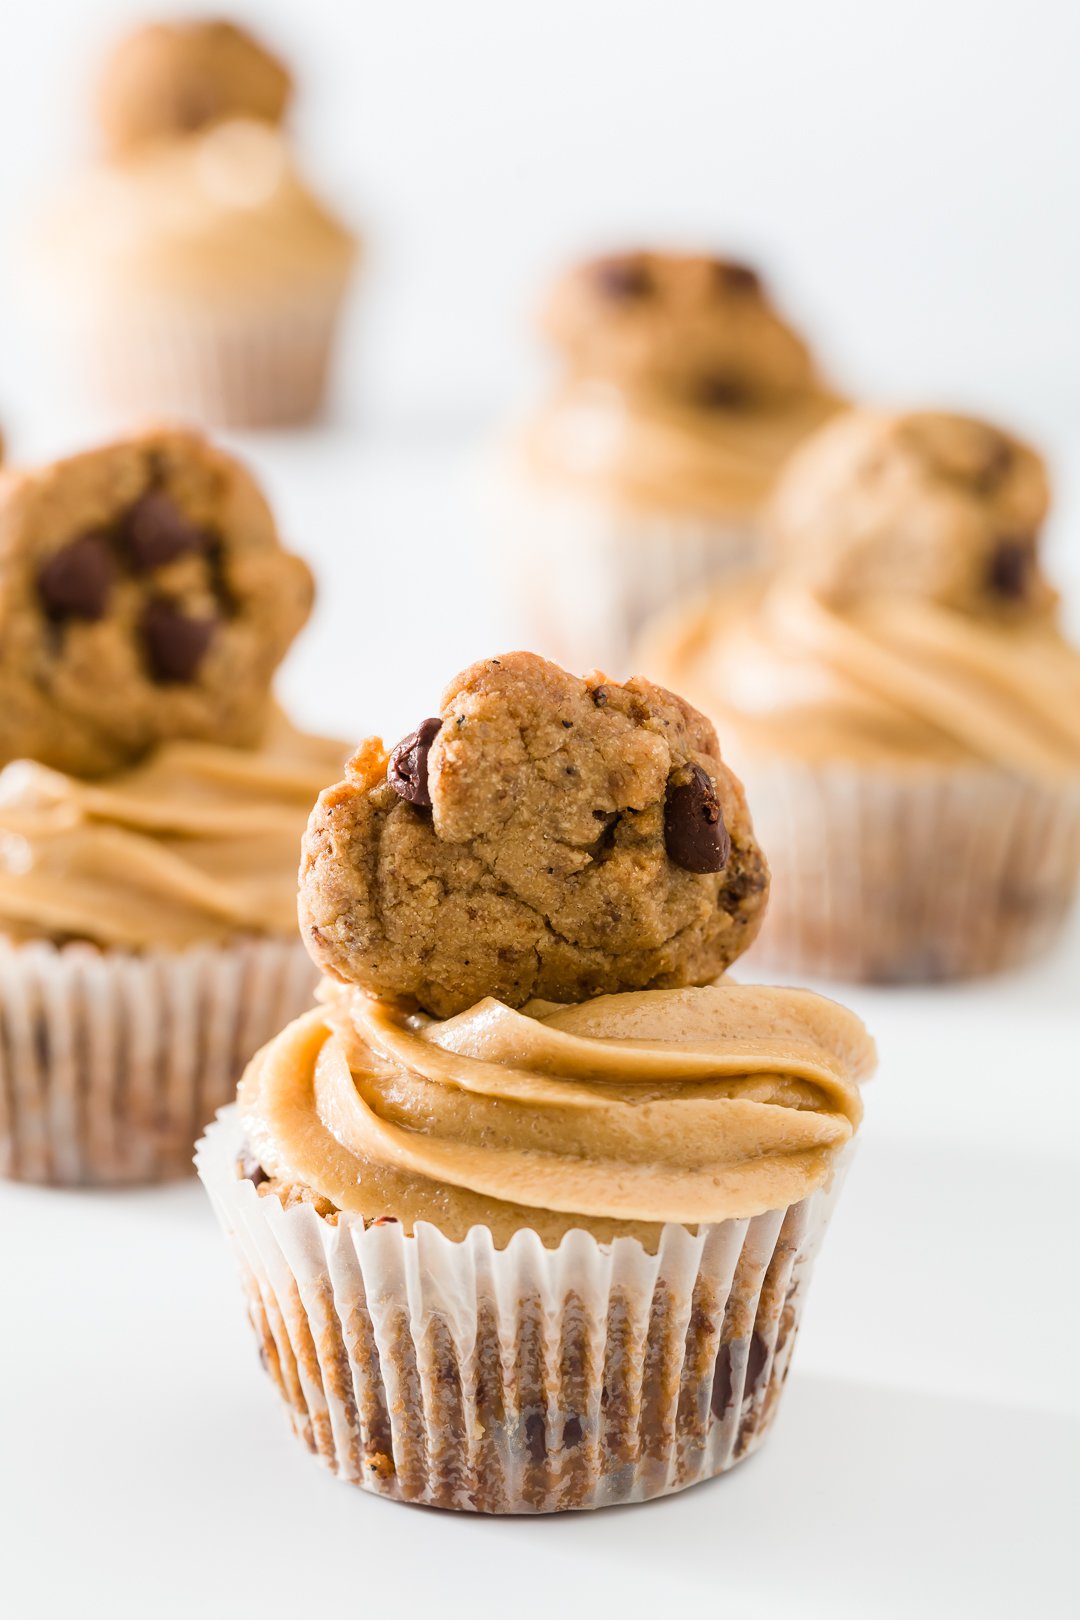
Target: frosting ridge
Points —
{"points": [[198, 843], [617, 1114]]}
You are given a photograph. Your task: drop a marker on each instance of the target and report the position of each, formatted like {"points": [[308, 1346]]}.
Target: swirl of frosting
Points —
{"points": [[650, 449], [218, 213], [879, 679], [199, 843], [616, 1115]]}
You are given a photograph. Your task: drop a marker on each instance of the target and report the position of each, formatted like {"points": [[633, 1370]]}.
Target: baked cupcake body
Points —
{"points": [[902, 705], [644, 475], [524, 1261], [511, 1254], [208, 280], [147, 873]]}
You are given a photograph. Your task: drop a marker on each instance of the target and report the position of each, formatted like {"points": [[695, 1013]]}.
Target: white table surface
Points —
{"points": [[927, 1457]]}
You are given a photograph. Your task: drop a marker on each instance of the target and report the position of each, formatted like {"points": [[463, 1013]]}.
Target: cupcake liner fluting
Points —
{"points": [[588, 576], [112, 1062], [522, 1379], [913, 876]]}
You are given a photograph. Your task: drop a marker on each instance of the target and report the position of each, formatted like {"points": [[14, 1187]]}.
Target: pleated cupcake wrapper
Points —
{"points": [[262, 363], [589, 576], [111, 1063], [912, 877], [520, 1380]]}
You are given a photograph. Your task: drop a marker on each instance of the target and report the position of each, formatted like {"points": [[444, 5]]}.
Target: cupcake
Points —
{"points": [[902, 703], [682, 391], [151, 800], [193, 272], [525, 1209]]}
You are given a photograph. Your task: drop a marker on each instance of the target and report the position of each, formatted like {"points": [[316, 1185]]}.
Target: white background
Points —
{"points": [[910, 174]]}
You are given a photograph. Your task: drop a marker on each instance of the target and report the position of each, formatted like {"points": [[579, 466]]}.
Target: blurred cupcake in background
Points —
{"points": [[193, 272], [901, 702], [682, 391], [152, 799]]}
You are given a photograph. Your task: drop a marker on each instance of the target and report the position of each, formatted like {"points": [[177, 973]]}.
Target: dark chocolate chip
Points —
{"points": [[250, 1168], [721, 1384], [694, 832], [735, 277], [1012, 564], [76, 581], [623, 278], [175, 645], [158, 532], [719, 390], [407, 772], [536, 1437], [572, 1431], [756, 1357]]}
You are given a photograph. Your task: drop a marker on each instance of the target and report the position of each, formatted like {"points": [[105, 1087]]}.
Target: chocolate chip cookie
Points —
{"points": [[171, 79], [702, 331], [542, 836], [144, 596], [926, 504]]}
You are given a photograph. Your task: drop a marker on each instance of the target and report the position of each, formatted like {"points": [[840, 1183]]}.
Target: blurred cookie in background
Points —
{"points": [[193, 272], [681, 391], [175, 78], [901, 702]]}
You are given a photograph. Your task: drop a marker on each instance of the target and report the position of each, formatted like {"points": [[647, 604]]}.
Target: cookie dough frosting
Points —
{"points": [[616, 1115], [909, 621], [221, 214], [543, 835], [682, 384], [197, 845]]}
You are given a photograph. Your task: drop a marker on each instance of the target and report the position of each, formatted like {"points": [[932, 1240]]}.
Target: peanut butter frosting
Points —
{"points": [[198, 844], [218, 213], [615, 1115], [682, 386], [884, 680]]}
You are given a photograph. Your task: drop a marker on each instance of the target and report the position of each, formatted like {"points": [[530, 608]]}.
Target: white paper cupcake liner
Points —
{"points": [[263, 363], [520, 1380], [588, 576], [910, 877], [111, 1063]]}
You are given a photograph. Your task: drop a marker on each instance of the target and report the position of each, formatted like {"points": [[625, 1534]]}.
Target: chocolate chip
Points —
{"points": [[250, 1168], [572, 1431], [158, 532], [1012, 564], [175, 645], [756, 1357], [719, 390], [407, 771], [721, 1386], [76, 581], [623, 278], [536, 1437], [694, 832], [735, 277]]}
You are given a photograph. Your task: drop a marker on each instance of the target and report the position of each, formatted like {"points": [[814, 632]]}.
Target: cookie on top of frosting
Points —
{"points": [[543, 835], [700, 329], [144, 596], [170, 79], [920, 504]]}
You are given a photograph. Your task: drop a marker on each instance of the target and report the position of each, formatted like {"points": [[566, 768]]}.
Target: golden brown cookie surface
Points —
{"points": [[701, 330], [144, 596], [542, 836], [924, 504], [171, 79]]}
